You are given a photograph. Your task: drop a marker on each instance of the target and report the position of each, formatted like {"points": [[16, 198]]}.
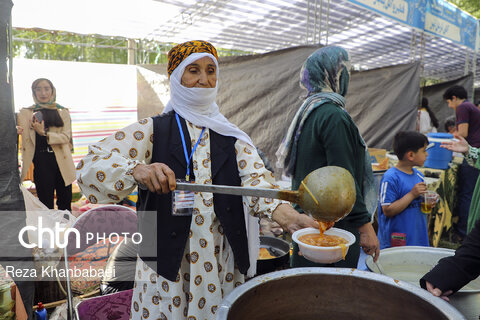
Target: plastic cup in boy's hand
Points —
{"points": [[429, 200]]}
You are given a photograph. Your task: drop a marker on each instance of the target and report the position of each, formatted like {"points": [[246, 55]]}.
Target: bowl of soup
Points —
{"points": [[330, 247]]}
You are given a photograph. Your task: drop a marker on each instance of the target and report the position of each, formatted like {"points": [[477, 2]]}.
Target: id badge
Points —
{"points": [[182, 201]]}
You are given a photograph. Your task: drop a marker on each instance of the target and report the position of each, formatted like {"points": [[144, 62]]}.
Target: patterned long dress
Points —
{"points": [[207, 273]]}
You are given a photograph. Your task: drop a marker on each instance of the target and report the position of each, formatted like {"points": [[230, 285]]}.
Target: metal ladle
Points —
{"points": [[327, 193]]}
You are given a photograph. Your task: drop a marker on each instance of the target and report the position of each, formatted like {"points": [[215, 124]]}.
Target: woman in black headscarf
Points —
{"points": [[427, 122]]}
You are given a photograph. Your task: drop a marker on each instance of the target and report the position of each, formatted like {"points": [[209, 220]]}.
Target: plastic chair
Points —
{"points": [[106, 221], [110, 306]]}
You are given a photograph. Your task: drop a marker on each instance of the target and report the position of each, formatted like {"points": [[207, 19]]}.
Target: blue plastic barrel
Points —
{"points": [[438, 158]]}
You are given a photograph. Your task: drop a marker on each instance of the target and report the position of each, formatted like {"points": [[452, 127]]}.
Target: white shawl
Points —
{"points": [[198, 106]]}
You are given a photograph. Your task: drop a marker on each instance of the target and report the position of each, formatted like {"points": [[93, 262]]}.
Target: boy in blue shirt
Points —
{"points": [[400, 220]]}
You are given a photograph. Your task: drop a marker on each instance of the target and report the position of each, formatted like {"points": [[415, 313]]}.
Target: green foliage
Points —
{"points": [[425, 82], [56, 45], [470, 6]]}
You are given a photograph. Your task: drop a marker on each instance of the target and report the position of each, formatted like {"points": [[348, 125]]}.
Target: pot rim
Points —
{"points": [[444, 307]]}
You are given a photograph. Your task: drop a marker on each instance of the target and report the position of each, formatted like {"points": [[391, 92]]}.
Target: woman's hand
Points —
{"points": [[437, 292], [19, 130], [289, 219], [457, 146], [39, 127], [157, 177], [369, 241]]}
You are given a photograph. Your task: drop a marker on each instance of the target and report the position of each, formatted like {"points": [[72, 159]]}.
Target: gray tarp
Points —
{"points": [[383, 101], [12, 208], [434, 94], [261, 93]]}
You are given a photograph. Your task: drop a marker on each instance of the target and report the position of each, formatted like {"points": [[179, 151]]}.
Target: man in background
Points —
{"points": [[468, 126]]}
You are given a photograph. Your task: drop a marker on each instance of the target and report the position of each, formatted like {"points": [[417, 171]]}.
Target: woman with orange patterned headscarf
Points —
{"points": [[197, 247]]}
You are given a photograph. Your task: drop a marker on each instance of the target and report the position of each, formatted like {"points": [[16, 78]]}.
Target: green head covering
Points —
{"points": [[326, 70], [51, 104]]}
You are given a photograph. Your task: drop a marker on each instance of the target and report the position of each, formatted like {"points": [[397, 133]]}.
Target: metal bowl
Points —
{"points": [[277, 247], [411, 263], [331, 293]]}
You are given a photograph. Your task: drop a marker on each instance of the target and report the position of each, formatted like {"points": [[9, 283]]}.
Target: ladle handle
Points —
{"points": [[287, 195]]}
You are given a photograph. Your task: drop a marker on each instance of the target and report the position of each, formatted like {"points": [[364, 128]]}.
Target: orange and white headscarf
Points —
{"points": [[178, 53], [198, 105]]}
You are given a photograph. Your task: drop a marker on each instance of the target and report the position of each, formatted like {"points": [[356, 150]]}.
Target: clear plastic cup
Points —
{"points": [[429, 199]]}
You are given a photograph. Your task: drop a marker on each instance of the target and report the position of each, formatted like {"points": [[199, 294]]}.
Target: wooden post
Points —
{"points": [[132, 50]]}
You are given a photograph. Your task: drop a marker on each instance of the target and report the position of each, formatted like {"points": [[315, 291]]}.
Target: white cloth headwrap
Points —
{"points": [[198, 106]]}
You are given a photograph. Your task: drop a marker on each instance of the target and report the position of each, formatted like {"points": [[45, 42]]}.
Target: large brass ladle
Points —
{"points": [[328, 193]]}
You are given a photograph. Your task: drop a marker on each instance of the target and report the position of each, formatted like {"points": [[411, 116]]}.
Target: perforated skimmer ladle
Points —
{"points": [[328, 193]]}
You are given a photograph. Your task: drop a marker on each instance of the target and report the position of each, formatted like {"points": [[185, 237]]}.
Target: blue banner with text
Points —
{"points": [[437, 17]]}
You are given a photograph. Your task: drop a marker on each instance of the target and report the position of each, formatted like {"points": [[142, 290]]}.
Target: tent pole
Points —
{"points": [[328, 21], [10, 62], [467, 56], [320, 23], [474, 70], [315, 23], [422, 53], [415, 46], [308, 21], [412, 45]]}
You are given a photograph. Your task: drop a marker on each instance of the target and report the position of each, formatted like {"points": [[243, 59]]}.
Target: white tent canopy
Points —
{"points": [[123, 18], [256, 26]]}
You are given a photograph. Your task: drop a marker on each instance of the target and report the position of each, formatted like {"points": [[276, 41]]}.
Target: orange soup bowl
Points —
{"points": [[323, 254]]}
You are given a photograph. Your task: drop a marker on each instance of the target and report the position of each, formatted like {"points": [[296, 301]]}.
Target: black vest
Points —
{"points": [[165, 236]]}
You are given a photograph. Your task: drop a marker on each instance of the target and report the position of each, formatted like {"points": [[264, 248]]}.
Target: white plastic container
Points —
{"points": [[323, 254]]}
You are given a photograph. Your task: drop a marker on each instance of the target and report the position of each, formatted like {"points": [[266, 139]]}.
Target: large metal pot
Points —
{"points": [[331, 293]]}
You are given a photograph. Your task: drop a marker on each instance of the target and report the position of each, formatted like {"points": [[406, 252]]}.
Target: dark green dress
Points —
{"points": [[331, 138]]}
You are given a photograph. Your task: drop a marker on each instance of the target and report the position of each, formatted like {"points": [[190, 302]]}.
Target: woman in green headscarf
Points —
{"points": [[322, 134], [47, 142]]}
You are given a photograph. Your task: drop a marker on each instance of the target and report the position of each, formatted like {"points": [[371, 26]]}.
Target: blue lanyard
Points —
{"points": [[187, 177]]}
